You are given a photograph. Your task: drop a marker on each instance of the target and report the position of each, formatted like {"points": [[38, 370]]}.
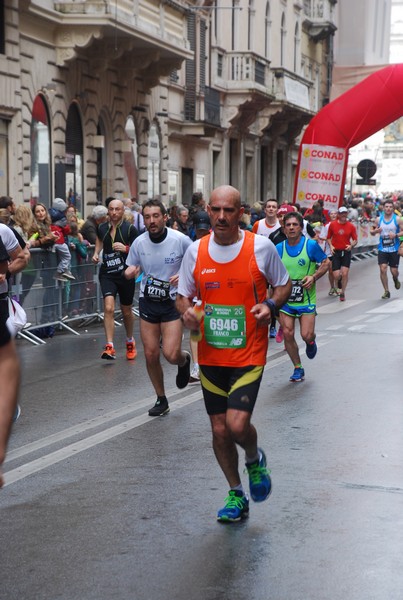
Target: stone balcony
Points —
{"points": [[319, 19], [290, 88], [139, 35], [241, 71]]}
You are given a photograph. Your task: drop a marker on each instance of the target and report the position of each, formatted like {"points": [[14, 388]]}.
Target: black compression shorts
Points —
{"points": [[114, 284], [230, 387]]}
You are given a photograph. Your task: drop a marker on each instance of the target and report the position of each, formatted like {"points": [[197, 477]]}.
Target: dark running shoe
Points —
{"points": [[236, 507], [160, 408], [182, 378], [259, 478], [311, 349]]}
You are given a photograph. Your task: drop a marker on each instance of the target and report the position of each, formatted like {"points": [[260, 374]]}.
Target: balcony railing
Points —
{"points": [[155, 20], [319, 18], [319, 10], [241, 70], [290, 88]]}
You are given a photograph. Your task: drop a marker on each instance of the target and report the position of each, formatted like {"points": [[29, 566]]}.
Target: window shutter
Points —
{"points": [[190, 93], [202, 55], [74, 134]]}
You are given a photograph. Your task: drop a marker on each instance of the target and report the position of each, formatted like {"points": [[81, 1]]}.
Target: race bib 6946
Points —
{"points": [[225, 326]]}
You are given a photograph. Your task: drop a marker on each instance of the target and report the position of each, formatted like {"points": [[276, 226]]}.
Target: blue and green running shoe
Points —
{"points": [[259, 478], [236, 507], [298, 375]]}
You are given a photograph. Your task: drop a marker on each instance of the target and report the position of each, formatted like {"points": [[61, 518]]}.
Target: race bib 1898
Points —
{"points": [[225, 326]]}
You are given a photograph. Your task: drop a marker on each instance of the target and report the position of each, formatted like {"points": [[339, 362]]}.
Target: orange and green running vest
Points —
{"points": [[231, 336]]}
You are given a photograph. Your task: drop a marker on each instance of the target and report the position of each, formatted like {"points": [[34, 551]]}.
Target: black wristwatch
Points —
{"points": [[270, 303]]}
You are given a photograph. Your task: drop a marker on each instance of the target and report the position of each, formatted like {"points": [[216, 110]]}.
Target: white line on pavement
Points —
{"points": [[357, 327], [89, 442], [377, 319], [80, 428], [335, 307], [388, 307], [73, 449]]}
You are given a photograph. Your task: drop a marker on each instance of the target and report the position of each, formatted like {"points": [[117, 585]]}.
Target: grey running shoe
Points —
{"points": [[59, 276]]}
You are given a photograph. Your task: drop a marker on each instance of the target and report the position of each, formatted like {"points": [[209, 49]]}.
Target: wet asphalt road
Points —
{"points": [[104, 503]]}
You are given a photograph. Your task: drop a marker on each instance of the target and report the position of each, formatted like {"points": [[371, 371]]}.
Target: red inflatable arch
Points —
{"points": [[351, 118]]}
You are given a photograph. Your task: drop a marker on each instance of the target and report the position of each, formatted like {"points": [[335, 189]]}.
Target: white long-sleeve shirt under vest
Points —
{"points": [[264, 229]]}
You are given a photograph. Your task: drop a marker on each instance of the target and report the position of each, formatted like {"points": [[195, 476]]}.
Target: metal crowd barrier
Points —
{"points": [[53, 304], [50, 303], [367, 244]]}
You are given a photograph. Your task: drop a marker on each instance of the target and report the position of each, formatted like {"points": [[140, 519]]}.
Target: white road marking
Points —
{"points": [[377, 319], [394, 306], [356, 319], [357, 327], [98, 438], [335, 307], [52, 458], [85, 426]]}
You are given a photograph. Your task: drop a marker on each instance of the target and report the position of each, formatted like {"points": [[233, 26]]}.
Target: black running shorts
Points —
{"points": [[230, 387], [341, 258], [158, 312], [389, 258], [113, 284]]}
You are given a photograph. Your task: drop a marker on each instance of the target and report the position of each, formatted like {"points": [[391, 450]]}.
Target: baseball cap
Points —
{"points": [[342, 209], [285, 208], [201, 220]]}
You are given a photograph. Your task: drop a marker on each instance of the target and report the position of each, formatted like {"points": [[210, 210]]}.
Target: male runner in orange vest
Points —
{"points": [[229, 270]]}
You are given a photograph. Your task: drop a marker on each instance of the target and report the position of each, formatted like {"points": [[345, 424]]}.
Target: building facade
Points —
{"points": [[159, 98]]}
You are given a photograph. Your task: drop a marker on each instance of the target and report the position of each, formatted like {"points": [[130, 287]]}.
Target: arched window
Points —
{"points": [[73, 189], [130, 158], [267, 31], [154, 163], [40, 153], [282, 40]]}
